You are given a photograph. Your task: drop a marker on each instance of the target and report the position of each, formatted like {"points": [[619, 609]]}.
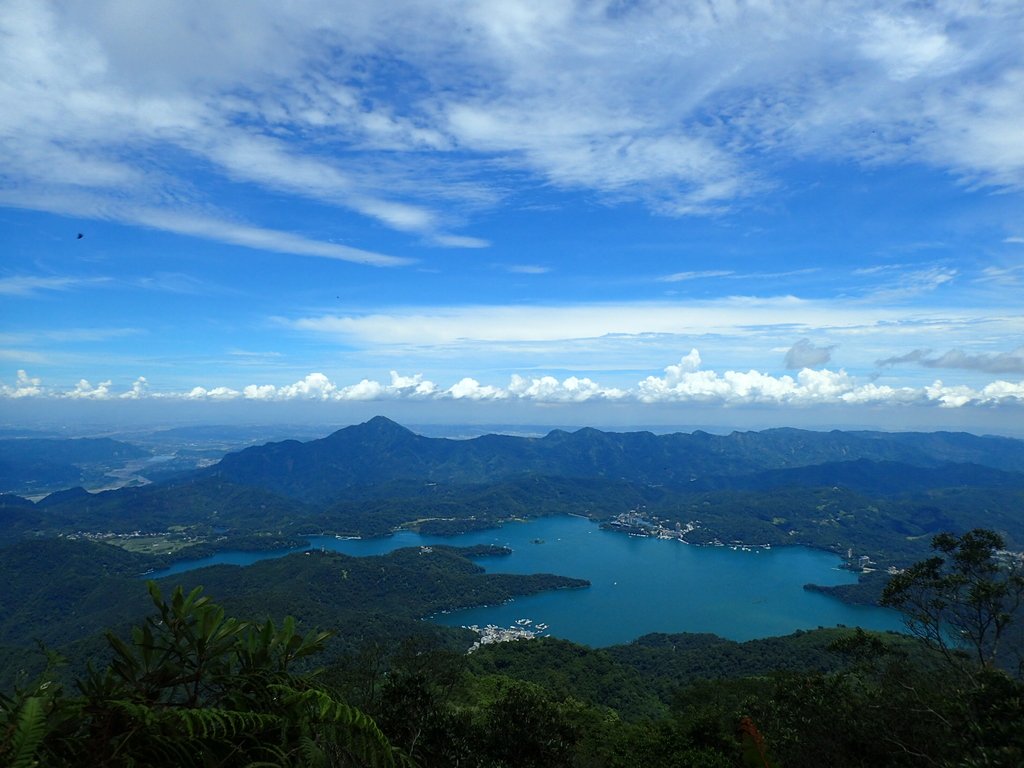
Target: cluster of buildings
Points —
{"points": [[636, 523], [109, 535], [524, 629]]}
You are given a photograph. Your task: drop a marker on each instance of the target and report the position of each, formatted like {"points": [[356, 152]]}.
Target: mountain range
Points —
{"points": [[381, 451]]}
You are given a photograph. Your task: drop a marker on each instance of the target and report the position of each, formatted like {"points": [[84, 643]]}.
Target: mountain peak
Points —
{"points": [[377, 427], [381, 423]]}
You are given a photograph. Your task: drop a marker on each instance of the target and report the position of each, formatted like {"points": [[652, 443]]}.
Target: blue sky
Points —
{"points": [[549, 212]]}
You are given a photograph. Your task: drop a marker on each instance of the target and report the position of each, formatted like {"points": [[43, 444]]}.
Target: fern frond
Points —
{"points": [[199, 724], [349, 728], [312, 755], [28, 733]]}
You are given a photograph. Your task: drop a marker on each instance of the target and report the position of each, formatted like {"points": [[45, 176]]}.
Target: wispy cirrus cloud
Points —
{"points": [[32, 285], [1001, 275], [83, 133], [730, 274], [740, 316], [678, 277], [687, 109], [75, 335], [907, 284], [256, 237], [527, 269]]}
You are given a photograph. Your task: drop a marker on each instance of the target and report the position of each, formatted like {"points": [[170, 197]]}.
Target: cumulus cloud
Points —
{"points": [[987, 362], [689, 363], [24, 386], [804, 354], [86, 391], [682, 382], [548, 389], [138, 389], [315, 386], [471, 389], [216, 393]]}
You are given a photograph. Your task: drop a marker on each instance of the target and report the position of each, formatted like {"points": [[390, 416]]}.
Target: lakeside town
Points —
{"points": [[523, 629], [635, 522]]}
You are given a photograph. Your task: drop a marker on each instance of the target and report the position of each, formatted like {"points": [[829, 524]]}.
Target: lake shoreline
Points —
{"points": [[628, 575]]}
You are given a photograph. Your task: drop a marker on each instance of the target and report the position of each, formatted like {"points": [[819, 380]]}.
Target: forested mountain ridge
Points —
{"points": [[381, 451], [827, 697], [879, 493]]}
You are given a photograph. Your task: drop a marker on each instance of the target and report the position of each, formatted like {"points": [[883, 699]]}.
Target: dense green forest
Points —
{"points": [[97, 669], [879, 494], [191, 686], [64, 594]]}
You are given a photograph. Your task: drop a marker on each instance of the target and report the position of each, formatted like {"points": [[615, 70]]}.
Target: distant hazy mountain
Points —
{"points": [[380, 451], [27, 463]]}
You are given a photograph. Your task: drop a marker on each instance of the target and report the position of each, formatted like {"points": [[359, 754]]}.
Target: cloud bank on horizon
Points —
{"points": [[683, 382], [519, 198]]}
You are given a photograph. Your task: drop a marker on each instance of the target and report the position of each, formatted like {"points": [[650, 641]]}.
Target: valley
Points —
{"points": [[756, 553]]}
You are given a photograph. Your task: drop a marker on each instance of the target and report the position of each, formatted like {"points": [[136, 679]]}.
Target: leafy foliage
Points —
{"points": [[65, 593], [966, 600], [194, 687]]}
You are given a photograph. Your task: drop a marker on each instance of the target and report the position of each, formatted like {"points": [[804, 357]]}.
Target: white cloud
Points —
{"points": [[253, 237], [548, 389], [137, 391], [689, 363], [259, 392], [684, 382], [24, 386], [460, 241], [315, 386], [217, 393], [528, 269], [471, 389], [911, 283], [67, 335], [688, 108], [444, 325], [678, 277], [907, 47], [778, 318], [30, 285], [86, 391], [1004, 276]]}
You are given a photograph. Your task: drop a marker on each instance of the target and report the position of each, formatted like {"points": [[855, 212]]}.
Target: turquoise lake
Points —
{"points": [[638, 585]]}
